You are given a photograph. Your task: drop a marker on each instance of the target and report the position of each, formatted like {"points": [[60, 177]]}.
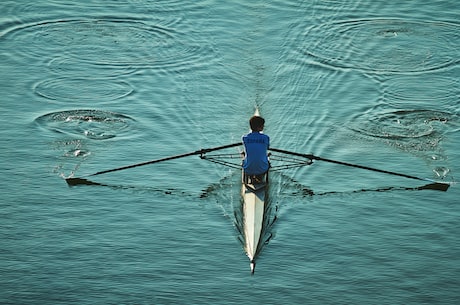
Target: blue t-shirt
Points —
{"points": [[256, 145]]}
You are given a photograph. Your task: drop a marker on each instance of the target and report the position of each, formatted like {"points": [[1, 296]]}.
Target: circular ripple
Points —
{"points": [[170, 5], [415, 131], [383, 45], [402, 124], [416, 90], [74, 67], [74, 89], [115, 42], [92, 124]]}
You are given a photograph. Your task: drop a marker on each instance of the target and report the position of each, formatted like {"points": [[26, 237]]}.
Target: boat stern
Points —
{"points": [[252, 265]]}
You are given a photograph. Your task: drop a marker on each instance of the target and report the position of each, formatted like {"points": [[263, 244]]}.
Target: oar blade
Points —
{"points": [[80, 181], [437, 186]]}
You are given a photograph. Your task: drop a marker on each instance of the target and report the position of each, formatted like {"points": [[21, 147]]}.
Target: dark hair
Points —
{"points": [[257, 123]]}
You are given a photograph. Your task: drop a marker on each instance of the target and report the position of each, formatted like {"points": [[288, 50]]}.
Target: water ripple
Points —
{"points": [[91, 124], [80, 67], [110, 42], [73, 154], [76, 89], [383, 45], [400, 124], [407, 91], [416, 131]]}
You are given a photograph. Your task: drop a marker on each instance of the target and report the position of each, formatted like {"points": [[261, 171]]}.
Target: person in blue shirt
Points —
{"points": [[256, 144]]}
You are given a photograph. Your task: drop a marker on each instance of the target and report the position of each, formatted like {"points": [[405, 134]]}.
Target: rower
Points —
{"points": [[256, 144]]}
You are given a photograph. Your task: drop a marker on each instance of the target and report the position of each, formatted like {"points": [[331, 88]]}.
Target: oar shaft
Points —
{"points": [[368, 168], [288, 152], [143, 163], [313, 157], [197, 152]]}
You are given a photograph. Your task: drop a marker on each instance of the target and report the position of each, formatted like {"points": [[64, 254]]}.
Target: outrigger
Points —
{"points": [[256, 212]]}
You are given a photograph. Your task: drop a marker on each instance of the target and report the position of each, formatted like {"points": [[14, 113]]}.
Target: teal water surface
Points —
{"points": [[102, 84]]}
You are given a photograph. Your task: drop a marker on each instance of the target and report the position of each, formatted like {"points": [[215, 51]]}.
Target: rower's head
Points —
{"points": [[257, 123]]}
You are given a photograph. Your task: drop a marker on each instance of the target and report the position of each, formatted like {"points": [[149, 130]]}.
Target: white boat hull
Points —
{"points": [[254, 217]]}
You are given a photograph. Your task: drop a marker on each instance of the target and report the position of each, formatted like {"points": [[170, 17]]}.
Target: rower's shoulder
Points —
{"points": [[263, 135], [257, 135]]}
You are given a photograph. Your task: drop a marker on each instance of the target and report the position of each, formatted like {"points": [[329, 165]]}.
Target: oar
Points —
{"points": [[434, 185], [76, 181]]}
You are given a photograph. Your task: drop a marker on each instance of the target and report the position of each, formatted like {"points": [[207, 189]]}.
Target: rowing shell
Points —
{"points": [[254, 192], [255, 216]]}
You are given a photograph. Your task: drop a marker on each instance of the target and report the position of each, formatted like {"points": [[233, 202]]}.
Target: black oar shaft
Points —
{"points": [[143, 163], [368, 168], [198, 152], [313, 157], [288, 152]]}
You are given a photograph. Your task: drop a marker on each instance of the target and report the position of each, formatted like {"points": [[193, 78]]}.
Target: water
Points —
{"points": [[102, 84]]}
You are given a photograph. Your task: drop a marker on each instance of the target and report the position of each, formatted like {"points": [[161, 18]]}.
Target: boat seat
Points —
{"points": [[254, 179]]}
